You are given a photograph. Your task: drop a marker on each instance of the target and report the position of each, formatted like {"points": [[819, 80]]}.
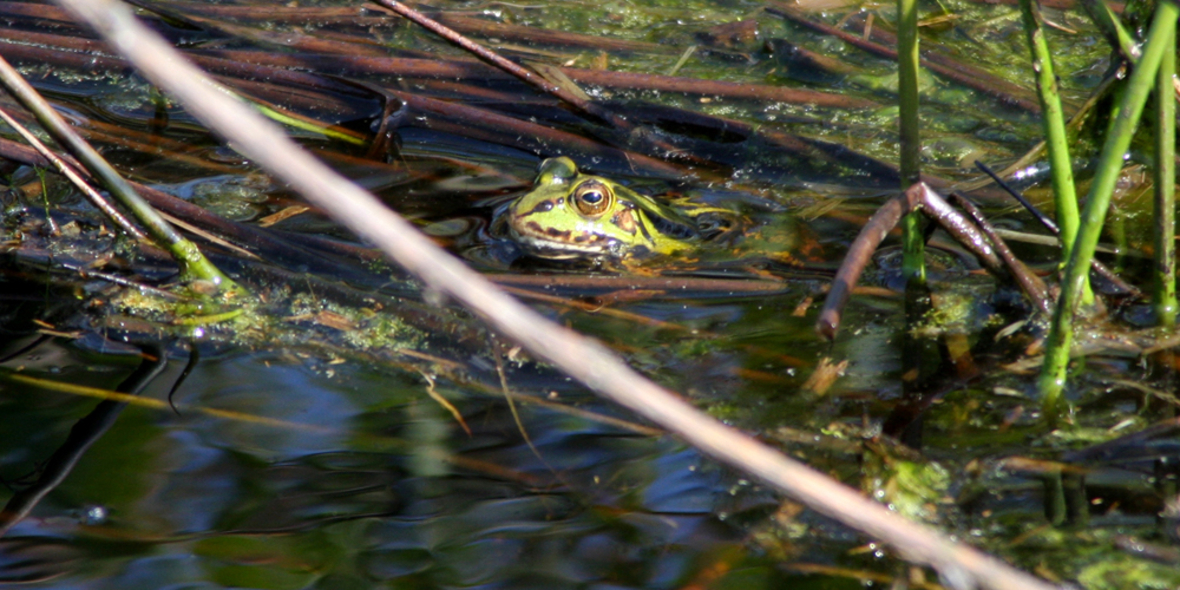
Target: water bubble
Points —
{"points": [[93, 515]]}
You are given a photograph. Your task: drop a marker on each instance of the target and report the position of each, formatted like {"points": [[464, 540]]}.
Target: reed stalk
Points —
{"points": [[1056, 137], [913, 258], [1124, 120], [1164, 291]]}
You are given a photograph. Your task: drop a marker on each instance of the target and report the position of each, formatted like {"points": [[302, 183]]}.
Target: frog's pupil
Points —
{"points": [[592, 197]]}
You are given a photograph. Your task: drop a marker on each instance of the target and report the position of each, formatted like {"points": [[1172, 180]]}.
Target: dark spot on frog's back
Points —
{"points": [[557, 233]]}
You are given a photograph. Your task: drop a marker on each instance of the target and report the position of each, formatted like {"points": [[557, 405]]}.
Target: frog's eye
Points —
{"points": [[592, 198]]}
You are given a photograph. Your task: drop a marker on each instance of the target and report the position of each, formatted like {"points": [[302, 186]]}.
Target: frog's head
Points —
{"points": [[574, 215]]}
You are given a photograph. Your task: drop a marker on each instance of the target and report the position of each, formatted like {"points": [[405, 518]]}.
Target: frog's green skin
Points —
{"points": [[573, 215]]}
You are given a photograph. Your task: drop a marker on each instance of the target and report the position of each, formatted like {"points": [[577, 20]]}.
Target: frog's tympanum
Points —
{"points": [[573, 215]]}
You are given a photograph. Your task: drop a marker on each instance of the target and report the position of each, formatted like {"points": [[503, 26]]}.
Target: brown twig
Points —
{"points": [[918, 197], [1030, 283], [40, 13], [856, 259], [349, 62]]}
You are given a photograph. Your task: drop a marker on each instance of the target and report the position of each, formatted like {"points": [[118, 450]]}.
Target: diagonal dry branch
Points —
{"points": [[960, 566]]}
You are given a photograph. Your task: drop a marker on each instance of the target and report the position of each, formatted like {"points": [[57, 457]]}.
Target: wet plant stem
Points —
{"points": [[1123, 123], [913, 262], [193, 264], [920, 356], [1164, 292], [1056, 138]]}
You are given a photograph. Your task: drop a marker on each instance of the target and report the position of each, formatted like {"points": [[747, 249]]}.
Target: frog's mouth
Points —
{"points": [[559, 244]]}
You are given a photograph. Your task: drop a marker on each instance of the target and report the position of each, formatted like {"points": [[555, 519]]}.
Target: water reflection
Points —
{"points": [[85, 433], [377, 483]]}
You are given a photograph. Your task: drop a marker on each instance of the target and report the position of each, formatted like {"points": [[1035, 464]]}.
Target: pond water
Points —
{"points": [[281, 470], [353, 432]]}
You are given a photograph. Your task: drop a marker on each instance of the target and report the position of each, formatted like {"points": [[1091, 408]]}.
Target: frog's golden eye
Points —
{"points": [[592, 198]]}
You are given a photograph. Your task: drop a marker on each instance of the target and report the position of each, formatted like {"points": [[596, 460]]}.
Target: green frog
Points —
{"points": [[573, 215]]}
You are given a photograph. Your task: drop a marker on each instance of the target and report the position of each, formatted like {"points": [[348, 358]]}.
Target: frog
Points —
{"points": [[570, 214]]}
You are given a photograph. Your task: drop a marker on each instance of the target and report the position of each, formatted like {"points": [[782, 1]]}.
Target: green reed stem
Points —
{"points": [[1125, 119], [193, 264], [1164, 291], [913, 257], [1056, 137]]}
